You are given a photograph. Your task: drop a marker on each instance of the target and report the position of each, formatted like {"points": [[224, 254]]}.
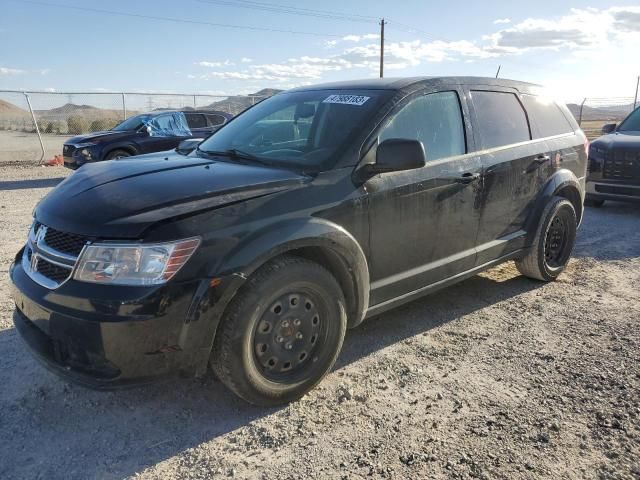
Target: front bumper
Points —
{"points": [[603, 190], [108, 337]]}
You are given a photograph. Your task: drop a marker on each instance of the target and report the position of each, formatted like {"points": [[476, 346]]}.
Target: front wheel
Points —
{"points": [[282, 332], [115, 154], [553, 243]]}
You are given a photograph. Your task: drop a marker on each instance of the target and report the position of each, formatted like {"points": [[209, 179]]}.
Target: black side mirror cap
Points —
{"points": [[397, 154], [609, 128]]}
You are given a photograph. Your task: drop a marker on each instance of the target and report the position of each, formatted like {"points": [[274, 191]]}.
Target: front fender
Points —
{"points": [[562, 183], [289, 235]]}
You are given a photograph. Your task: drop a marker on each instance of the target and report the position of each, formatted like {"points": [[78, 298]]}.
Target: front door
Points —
{"points": [[424, 222]]}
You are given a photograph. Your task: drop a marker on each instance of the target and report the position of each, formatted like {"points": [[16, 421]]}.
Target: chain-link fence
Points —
{"points": [[35, 125], [593, 113]]}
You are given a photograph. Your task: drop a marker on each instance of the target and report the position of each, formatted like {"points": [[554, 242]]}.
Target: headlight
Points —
{"points": [[85, 153], [131, 264]]}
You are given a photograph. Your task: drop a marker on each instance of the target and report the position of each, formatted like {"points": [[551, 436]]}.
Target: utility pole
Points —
{"points": [[498, 72], [382, 22]]}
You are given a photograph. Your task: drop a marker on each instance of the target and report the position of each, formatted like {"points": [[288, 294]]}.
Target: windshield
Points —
{"points": [[631, 123], [299, 129], [131, 124]]}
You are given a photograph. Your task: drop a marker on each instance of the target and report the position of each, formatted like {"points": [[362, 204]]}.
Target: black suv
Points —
{"points": [[145, 133], [304, 215], [614, 163]]}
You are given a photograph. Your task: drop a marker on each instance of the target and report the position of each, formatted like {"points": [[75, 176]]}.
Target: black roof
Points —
{"points": [[397, 83]]}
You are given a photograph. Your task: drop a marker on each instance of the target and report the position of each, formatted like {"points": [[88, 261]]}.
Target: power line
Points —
{"points": [[291, 10], [177, 20]]}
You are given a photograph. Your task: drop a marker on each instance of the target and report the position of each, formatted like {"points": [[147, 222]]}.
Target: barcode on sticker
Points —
{"points": [[346, 99]]}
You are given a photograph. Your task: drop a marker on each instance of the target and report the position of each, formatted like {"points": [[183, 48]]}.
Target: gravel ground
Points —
{"points": [[496, 377]]}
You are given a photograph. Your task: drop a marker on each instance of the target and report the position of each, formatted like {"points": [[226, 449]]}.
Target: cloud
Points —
{"points": [[11, 71], [352, 38], [226, 63], [626, 19], [500, 21], [246, 60]]}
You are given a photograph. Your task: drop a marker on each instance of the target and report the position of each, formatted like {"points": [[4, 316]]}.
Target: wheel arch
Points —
{"points": [[564, 184], [127, 147], [317, 240]]}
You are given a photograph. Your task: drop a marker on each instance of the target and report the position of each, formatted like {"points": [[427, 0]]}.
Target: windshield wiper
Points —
{"points": [[235, 153]]}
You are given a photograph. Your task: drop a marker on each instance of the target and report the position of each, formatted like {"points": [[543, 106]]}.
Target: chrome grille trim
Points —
{"points": [[37, 249]]}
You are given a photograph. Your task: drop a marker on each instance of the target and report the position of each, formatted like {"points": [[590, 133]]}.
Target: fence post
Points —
{"points": [[581, 107], [35, 123], [635, 99], [194, 102], [124, 107]]}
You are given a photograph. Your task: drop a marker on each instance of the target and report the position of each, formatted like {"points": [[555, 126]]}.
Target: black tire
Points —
{"points": [[254, 332], [553, 242], [593, 202], [118, 153]]}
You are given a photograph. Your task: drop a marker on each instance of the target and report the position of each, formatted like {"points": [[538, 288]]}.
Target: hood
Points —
{"points": [[122, 198], [95, 137], [624, 140]]}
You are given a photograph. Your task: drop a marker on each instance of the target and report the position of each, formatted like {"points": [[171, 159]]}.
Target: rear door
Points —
{"points": [[198, 125], [510, 163], [424, 222]]}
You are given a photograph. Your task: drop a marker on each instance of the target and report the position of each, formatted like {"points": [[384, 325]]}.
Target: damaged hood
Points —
{"points": [[121, 198]]}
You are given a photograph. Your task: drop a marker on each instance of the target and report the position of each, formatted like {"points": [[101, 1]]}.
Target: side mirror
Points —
{"points": [[396, 154], [148, 129], [608, 128], [185, 147]]}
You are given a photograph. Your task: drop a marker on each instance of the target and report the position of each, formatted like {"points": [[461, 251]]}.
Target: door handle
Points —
{"points": [[537, 163], [467, 178]]}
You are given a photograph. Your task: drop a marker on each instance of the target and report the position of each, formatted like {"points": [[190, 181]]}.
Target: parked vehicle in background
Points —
{"points": [[313, 210], [614, 163], [145, 133]]}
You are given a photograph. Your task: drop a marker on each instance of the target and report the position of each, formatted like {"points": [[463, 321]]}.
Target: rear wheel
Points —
{"points": [[553, 243], [119, 153], [282, 332]]}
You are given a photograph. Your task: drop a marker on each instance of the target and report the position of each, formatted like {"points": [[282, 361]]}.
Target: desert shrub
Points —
{"points": [[53, 127], [76, 125], [102, 124]]}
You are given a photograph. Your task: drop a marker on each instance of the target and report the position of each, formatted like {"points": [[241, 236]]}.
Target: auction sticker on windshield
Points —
{"points": [[346, 99]]}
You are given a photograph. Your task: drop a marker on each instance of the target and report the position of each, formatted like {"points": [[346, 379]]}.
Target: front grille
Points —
{"points": [[622, 165], [68, 150], [52, 272], [68, 243], [51, 255]]}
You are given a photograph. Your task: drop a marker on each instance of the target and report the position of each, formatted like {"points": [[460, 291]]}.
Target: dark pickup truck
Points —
{"points": [[614, 163], [303, 216]]}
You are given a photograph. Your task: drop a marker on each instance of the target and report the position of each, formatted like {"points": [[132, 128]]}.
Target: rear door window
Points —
{"points": [[215, 120], [196, 120], [546, 116], [435, 120], [501, 118]]}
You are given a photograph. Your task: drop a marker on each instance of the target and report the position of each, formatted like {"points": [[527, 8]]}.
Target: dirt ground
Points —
{"points": [[496, 377], [26, 147]]}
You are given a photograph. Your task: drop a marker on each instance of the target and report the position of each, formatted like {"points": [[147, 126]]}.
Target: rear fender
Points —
{"points": [[562, 183]]}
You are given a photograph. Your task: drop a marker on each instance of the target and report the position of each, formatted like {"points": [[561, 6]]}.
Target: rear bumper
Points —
{"points": [[602, 190], [107, 338]]}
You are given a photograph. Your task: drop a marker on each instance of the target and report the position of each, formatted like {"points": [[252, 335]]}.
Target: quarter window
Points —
{"points": [[215, 120], [546, 116], [435, 120], [501, 119]]}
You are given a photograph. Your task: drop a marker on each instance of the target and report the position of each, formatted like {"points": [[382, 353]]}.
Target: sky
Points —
{"points": [[576, 49]]}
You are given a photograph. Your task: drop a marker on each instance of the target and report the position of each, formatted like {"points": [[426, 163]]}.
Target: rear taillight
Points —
{"points": [[586, 147]]}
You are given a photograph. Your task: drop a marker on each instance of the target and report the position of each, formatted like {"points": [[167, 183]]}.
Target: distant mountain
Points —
{"points": [[606, 112], [238, 103], [86, 111], [10, 110]]}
